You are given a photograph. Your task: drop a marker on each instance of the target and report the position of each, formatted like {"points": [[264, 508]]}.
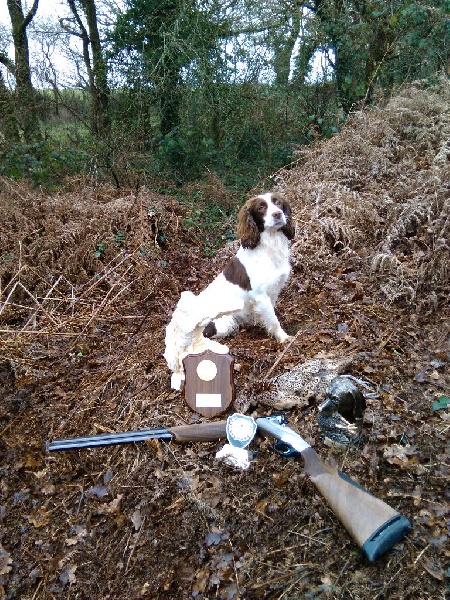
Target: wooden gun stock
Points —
{"points": [[372, 523]]}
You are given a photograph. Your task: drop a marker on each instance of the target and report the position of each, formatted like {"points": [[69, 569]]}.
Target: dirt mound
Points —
{"points": [[89, 277]]}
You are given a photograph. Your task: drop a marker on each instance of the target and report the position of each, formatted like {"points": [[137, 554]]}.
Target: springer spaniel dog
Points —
{"points": [[259, 270]]}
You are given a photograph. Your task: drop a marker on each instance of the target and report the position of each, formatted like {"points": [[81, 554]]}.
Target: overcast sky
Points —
{"points": [[47, 8]]}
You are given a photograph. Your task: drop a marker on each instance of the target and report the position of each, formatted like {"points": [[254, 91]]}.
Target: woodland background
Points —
{"points": [[120, 177], [140, 90]]}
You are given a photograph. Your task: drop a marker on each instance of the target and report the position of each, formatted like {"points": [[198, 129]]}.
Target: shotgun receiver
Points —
{"points": [[374, 525]]}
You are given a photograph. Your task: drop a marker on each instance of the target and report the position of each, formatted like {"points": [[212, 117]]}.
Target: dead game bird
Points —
{"points": [[296, 387]]}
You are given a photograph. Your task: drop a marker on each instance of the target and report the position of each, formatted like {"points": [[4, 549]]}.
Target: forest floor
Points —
{"points": [[89, 279]]}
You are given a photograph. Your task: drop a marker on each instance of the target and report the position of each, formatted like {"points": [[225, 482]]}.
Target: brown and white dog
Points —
{"points": [[258, 272]]}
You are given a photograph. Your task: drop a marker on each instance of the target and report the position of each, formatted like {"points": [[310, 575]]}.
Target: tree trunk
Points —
{"points": [[284, 46], [100, 93], [27, 113], [331, 15], [169, 95], [95, 66], [9, 128]]}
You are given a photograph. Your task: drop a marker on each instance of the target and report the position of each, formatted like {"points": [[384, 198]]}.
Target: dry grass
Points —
{"points": [[380, 191]]}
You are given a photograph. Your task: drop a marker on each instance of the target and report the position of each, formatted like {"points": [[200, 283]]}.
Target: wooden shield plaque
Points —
{"points": [[209, 385]]}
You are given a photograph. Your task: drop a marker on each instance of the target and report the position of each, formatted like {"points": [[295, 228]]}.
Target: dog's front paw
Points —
{"points": [[210, 330], [282, 337]]}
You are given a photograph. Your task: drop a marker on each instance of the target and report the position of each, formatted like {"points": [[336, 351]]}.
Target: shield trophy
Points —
{"points": [[209, 386]]}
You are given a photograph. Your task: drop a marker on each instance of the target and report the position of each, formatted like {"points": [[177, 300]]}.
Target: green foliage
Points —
{"points": [[41, 163], [208, 223], [119, 240], [384, 44], [99, 249], [155, 40], [242, 132]]}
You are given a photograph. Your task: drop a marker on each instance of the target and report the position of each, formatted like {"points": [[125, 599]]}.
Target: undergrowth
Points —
{"points": [[42, 163]]}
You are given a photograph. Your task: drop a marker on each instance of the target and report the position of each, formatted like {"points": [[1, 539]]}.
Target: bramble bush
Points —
{"points": [[41, 163]]}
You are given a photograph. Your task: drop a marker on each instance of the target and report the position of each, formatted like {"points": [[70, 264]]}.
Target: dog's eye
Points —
{"points": [[262, 207]]}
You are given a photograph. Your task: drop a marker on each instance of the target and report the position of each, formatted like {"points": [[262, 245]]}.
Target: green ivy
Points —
{"points": [[41, 163]]}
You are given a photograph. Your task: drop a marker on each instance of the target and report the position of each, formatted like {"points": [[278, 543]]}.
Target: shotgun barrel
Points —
{"points": [[202, 432]]}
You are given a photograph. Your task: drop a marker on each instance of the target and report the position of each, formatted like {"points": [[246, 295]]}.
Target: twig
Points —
{"points": [[386, 586], [46, 297], [289, 587], [275, 364], [133, 547], [106, 299], [307, 537], [18, 283], [341, 572], [42, 332], [8, 297], [281, 577], [37, 589], [234, 568], [419, 556]]}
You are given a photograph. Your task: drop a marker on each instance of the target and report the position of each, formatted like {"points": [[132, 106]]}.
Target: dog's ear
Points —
{"points": [[289, 228], [248, 231]]}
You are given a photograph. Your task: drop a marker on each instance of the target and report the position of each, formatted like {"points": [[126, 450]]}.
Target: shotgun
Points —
{"points": [[374, 525]]}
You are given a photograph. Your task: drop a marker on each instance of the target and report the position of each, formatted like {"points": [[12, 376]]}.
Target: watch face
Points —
{"points": [[240, 430]]}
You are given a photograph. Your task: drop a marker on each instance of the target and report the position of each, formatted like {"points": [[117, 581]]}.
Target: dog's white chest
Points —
{"points": [[269, 261]]}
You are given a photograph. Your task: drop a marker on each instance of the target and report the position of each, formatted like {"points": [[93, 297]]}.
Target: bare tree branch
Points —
{"points": [[7, 62], [31, 14]]}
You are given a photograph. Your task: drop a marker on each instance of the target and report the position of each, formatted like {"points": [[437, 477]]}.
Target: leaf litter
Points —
{"points": [[89, 278]]}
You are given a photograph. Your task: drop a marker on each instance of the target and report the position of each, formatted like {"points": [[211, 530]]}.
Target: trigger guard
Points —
{"points": [[284, 449]]}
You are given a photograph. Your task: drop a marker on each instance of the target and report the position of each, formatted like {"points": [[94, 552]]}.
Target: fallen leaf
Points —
{"points": [[214, 537], [435, 571], [48, 489], [136, 519], [112, 507], [420, 377], [32, 463], [5, 561], [71, 541], [404, 457], [39, 519], [108, 476], [68, 575], [201, 580], [262, 505], [98, 490], [397, 451]]}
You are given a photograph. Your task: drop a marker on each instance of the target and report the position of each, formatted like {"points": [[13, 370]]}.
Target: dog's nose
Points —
{"points": [[277, 215]]}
